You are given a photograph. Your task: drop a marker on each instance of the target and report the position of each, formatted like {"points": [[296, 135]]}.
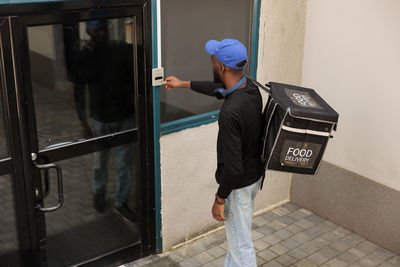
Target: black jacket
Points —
{"points": [[239, 135]]}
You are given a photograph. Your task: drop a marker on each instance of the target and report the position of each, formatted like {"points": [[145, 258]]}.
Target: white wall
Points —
{"points": [[352, 59], [188, 158]]}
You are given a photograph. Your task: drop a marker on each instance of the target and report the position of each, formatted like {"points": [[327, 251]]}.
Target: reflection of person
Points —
{"points": [[239, 166], [107, 67]]}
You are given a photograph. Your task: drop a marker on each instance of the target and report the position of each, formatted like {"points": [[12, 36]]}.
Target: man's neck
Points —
{"points": [[231, 81]]}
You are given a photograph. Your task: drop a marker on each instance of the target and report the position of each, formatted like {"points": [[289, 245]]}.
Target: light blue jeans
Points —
{"points": [[239, 213], [124, 156]]}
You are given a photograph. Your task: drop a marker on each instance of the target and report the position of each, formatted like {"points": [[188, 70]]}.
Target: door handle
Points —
{"points": [[46, 189], [47, 167]]}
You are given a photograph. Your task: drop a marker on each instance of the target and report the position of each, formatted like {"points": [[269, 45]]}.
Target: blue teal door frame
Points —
{"points": [[157, 133], [196, 121]]}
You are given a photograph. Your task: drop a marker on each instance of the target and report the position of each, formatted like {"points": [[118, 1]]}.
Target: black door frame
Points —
{"points": [[22, 128]]}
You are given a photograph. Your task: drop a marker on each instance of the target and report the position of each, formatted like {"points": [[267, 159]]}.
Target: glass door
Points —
{"points": [[83, 111]]}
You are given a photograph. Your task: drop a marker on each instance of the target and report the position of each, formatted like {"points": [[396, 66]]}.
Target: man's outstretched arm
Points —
{"points": [[203, 87]]}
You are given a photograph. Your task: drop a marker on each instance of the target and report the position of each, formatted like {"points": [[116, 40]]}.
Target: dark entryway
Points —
{"points": [[76, 119]]}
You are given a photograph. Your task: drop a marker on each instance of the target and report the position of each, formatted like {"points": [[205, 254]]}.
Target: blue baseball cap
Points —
{"points": [[229, 52]]}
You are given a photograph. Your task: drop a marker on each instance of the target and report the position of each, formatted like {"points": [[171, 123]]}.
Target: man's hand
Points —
{"points": [[172, 82], [218, 209]]}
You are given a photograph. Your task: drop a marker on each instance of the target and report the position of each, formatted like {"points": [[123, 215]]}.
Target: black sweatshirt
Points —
{"points": [[238, 144]]}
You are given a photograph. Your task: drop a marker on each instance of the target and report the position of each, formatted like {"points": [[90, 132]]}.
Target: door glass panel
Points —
{"points": [[3, 136], [82, 79], [8, 233], [79, 230], [186, 27]]}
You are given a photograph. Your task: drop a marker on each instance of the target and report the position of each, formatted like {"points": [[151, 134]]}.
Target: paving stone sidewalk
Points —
{"points": [[285, 236]]}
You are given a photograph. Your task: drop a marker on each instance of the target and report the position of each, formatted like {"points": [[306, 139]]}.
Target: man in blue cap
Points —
{"points": [[239, 167]]}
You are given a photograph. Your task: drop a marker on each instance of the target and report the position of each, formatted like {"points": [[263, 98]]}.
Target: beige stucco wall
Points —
{"points": [[352, 58], [188, 158]]}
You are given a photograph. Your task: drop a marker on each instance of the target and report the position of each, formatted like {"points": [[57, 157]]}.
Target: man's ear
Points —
{"points": [[222, 68]]}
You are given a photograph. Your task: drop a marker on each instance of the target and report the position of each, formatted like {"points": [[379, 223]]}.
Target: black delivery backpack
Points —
{"points": [[297, 126]]}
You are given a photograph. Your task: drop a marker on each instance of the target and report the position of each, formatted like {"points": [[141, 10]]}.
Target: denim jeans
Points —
{"points": [[239, 213], [124, 156]]}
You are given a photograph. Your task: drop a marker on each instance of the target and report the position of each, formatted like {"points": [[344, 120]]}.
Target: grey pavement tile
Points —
{"points": [[334, 263], [313, 232], [340, 231], [379, 255], [187, 252], [297, 253], [260, 261], [301, 237], [305, 263], [190, 262], [347, 257], [287, 219], [272, 264], [162, 262], [278, 249], [272, 239], [219, 262], [357, 237], [315, 219], [305, 211], [319, 242], [267, 254], [329, 236], [356, 252], [280, 211], [256, 235], [350, 241], [330, 224], [303, 223], [366, 262], [356, 264], [290, 206], [294, 229], [317, 258], [260, 221], [176, 256], [298, 215], [261, 244], [291, 243], [265, 229], [339, 246], [283, 233], [212, 241], [285, 259], [270, 216], [144, 261], [328, 252], [367, 246], [217, 252], [204, 257], [277, 225], [309, 248]]}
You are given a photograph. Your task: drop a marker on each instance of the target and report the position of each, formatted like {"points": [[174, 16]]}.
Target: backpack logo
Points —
{"points": [[299, 154], [301, 98]]}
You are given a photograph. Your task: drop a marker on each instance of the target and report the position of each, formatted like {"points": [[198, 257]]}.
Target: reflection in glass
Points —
{"points": [[83, 79], [3, 136], [187, 26], [8, 234], [77, 231]]}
